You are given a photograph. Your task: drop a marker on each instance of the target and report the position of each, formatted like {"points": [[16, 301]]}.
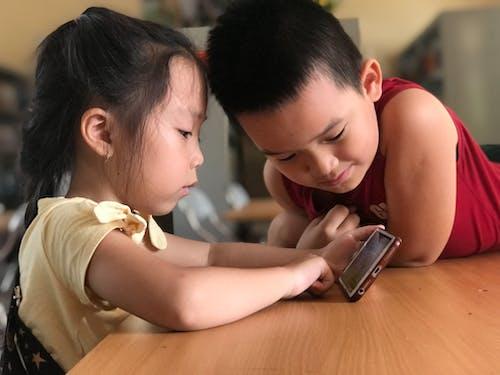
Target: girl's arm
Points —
{"points": [[190, 253], [419, 142], [185, 298]]}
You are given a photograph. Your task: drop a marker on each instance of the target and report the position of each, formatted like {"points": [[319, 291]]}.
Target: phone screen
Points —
{"points": [[368, 256]]}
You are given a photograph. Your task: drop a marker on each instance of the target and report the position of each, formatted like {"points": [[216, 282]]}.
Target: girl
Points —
{"points": [[119, 103]]}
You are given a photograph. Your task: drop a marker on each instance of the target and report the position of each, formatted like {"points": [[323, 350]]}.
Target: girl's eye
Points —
{"points": [[287, 158], [185, 134], [337, 137]]}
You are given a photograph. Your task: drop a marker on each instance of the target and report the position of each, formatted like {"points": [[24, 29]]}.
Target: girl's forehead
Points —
{"points": [[185, 74], [187, 90]]}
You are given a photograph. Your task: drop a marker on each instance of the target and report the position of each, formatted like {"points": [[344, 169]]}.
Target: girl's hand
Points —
{"points": [[312, 273], [326, 228], [338, 253]]}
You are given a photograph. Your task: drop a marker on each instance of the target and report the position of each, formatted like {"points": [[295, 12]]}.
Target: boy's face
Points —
{"points": [[326, 138]]}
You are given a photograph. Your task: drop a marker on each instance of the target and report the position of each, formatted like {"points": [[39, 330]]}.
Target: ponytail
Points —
{"points": [[47, 149]]}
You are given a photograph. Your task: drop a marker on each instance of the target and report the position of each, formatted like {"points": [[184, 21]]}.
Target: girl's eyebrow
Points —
{"points": [[198, 114], [329, 127]]}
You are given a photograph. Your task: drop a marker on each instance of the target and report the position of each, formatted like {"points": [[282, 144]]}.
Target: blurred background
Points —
{"points": [[452, 47]]}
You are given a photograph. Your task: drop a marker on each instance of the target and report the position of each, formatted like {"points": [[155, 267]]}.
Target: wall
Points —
{"points": [[388, 26], [24, 23]]}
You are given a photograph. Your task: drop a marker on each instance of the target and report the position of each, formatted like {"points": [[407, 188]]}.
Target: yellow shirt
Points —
{"points": [[55, 252]]}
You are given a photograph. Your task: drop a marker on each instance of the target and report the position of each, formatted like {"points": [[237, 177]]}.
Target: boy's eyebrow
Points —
{"points": [[329, 127]]}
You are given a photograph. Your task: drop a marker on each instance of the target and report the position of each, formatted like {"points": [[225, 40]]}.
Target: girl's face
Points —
{"points": [[172, 152], [325, 139]]}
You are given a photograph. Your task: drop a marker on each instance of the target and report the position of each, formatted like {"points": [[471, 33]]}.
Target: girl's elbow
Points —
{"points": [[181, 320], [182, 312]]}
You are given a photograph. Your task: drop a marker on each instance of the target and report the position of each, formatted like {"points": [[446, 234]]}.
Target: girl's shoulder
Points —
{"points": [[62, 212], [46, 205], [81, 215]]}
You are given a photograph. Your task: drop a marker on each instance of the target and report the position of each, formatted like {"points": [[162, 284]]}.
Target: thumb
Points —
{"points": [[362, 233]]}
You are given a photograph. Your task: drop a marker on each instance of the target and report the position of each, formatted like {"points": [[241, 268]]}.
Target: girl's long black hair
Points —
{"points": [[104, 59]]}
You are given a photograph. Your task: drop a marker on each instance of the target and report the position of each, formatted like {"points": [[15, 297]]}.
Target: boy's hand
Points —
{"points": [[326, 228], [338, 253]]}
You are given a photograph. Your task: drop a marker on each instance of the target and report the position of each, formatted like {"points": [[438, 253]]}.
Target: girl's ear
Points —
{"points": [[371, 79], [96, 129]]}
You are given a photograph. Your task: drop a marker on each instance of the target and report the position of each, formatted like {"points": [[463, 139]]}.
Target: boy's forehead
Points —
{"points": [[318, 102], [320, 106]]}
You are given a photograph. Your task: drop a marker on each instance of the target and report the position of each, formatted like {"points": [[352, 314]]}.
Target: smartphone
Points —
{"points": [[367, 263]]}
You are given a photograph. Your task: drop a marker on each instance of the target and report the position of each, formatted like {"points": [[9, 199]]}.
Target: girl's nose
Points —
{"points": [[197, 159]]}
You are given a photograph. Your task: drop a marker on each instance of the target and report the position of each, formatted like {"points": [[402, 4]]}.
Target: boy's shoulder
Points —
{"points": [[413, 115]]}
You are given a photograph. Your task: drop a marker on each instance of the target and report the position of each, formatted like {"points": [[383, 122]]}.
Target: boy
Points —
{"points": [[344, 145]]}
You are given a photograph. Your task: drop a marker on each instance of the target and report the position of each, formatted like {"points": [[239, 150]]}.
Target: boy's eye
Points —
{"points": [[337, 136], [286, 158], [185, 134]]}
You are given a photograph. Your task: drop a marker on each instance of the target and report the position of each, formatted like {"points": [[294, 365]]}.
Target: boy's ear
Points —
{"points": [[371, 79], [96, 131]]}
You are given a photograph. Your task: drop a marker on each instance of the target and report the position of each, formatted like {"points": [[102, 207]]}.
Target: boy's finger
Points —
{"points": [[362, 233], [336, 215], [350, 222]]}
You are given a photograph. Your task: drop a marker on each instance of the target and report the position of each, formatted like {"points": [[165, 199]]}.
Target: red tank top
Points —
{"points": [[476, 227]]}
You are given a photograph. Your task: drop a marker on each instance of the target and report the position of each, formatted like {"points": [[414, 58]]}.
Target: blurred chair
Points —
{"points": [[202, 216], [8, 260], [236, 196], [492, 152]]}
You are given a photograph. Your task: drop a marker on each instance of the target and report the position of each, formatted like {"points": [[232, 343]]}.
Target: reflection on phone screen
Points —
{"points": [[366, 259]]}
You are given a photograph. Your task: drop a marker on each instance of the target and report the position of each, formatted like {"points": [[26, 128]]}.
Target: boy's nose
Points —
{"points": [[322, 166]]}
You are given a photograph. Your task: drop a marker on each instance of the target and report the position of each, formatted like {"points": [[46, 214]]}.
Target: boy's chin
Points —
{"points": [[341, 189], [338, 190]]}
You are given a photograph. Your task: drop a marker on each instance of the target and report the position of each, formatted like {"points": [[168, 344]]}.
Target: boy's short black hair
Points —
{"points": [[262, 52]]}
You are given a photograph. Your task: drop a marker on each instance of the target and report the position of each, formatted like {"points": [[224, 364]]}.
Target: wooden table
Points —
{"points": [[258, 209], [442, 319]]}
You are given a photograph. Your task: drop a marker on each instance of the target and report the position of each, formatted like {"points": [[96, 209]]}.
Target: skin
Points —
{"points": [[190, 285], [327, 137]]}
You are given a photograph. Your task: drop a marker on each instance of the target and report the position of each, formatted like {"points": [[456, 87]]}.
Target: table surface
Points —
{"points": [[258, 209], [441, 319]]}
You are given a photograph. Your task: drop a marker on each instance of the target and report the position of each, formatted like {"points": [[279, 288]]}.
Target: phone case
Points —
{"points": [[370, 278]]}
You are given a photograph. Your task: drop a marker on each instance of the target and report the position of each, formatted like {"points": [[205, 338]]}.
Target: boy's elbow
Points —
{"points": [[408, 260], [412, 263]]}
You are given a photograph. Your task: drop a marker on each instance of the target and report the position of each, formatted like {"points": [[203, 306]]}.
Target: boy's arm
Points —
{"points": [[419, 141], [292, 228], [286, 228]]}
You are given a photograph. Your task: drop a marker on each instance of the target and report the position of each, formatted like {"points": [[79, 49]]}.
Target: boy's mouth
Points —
{"points": [[340, 178]]}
